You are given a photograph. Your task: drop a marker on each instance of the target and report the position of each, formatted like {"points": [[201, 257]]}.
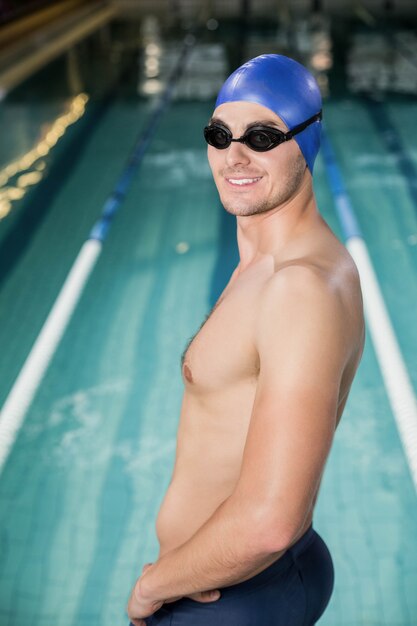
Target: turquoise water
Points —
{"points": [[82, 487]]}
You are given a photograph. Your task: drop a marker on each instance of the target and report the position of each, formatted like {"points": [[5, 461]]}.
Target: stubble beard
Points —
{"points": [[288, 188]]}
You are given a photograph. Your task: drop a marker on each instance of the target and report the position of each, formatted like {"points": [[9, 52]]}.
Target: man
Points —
{"points": [[266, 378]]}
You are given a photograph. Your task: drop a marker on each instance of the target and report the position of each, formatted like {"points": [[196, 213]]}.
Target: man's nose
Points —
{"points": [[237, 153]]}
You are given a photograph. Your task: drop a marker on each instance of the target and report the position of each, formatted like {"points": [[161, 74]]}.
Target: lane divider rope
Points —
{"points": [[394, 372], [30, 376]]}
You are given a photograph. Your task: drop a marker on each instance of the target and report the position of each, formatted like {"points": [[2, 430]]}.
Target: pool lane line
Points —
{"points": [[30, 376], [101, 227], [394, 372]]}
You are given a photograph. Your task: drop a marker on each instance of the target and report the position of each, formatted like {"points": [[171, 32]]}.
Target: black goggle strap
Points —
{"points": [[297, 129]]}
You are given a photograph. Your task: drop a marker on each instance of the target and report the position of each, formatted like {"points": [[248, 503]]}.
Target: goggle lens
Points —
{"points": [[218, 137], [261, 140]]}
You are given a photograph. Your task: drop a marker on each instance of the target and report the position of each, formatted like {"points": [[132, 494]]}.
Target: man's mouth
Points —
{"points": [[240, 182]]}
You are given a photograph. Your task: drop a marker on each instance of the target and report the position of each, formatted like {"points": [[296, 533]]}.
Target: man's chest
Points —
{"points": [[222, 353]]}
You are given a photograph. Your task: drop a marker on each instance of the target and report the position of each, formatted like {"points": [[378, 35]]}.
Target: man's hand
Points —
{"points": [[138, 608]]}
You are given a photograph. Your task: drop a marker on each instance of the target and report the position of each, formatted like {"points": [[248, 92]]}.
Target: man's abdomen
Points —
{"points": [[187, 505], [207, 468]]}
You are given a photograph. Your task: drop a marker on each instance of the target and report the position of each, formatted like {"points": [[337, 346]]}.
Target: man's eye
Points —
{"points": [[260, 138], [220, 135]]}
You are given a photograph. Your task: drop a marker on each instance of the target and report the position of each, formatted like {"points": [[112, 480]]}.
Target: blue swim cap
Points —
{"points": [[285, 87]]}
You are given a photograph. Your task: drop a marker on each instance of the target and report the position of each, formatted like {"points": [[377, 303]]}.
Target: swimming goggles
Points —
{"points": [[258, 138]]}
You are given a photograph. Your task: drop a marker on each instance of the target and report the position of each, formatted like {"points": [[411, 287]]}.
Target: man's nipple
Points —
{"points": [[187, 373]]}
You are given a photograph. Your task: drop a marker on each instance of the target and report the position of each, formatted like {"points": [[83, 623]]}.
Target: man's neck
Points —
{"points": [[271, 232]]}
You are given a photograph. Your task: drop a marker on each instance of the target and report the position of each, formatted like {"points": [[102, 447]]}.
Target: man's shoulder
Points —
{"points": [[299, 276], [330, 288], [320, 296], [333, 275]]}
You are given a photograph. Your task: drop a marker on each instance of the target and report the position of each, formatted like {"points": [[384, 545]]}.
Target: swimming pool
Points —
{"points": [[82, 486]]}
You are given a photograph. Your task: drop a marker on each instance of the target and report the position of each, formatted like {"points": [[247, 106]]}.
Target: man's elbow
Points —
{"points": [[269, 535], [274, 540]]}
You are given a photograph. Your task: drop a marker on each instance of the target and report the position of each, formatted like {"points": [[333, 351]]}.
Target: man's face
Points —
{"points": [[252, 182]]}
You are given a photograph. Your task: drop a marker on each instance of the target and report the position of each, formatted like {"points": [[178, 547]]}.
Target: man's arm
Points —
{"points": [[303, 349]]}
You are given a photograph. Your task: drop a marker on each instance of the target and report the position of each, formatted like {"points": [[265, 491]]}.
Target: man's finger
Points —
{"points": [[205, 596]]}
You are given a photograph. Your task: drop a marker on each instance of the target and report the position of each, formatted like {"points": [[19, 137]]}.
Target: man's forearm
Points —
{"points": [[226, 549]]}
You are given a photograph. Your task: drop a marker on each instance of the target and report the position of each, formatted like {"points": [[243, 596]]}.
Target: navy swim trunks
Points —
{"points": [[294, 591]]}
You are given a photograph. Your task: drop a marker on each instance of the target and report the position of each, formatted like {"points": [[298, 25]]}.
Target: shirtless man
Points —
{"points": [[266, 378]]}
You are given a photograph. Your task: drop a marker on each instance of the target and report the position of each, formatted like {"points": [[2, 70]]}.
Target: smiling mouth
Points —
{"points": [[243, 182]]}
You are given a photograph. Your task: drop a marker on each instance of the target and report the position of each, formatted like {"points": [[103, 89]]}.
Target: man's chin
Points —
{"points": [[240, 209], [237, 210]]}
